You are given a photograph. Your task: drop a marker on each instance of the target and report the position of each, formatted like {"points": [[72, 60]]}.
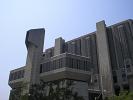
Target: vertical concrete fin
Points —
{"points": [[34, 43], [58, 46], [83, 47], [104, 60]]}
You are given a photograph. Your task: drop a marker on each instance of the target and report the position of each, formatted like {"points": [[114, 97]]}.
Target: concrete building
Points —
{"points": [[100, 63]]}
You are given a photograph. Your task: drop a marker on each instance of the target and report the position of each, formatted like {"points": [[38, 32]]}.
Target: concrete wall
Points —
{"points": [[34, 42], [105, 70]]}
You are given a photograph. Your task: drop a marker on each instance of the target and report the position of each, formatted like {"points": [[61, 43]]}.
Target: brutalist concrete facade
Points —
{"points": [[102, 61]]}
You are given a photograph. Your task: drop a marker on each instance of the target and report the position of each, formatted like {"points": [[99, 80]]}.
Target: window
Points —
{"points": [[95, 79], [128, 68], [41, 68], [126, 87], [115, 79], [78, 64], [124, 77], [60, 63]]}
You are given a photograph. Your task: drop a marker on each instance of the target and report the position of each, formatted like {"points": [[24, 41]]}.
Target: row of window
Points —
{"points": [[16, 75], [75, 47], [65, 62], [78, 64]]}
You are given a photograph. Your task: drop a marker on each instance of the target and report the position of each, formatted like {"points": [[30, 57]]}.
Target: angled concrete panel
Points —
{"points": [[104, 60], [34, 42]]}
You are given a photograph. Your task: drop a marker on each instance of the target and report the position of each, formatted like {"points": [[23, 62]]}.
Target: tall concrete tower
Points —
{"points": [[34, 43], [105, 71]]}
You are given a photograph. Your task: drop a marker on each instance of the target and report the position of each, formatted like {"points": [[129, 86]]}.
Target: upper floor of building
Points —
{"points": [[82, 54]]}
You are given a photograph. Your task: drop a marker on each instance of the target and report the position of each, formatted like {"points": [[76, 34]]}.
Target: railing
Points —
{"points": [[16, 74], [66, 60]]}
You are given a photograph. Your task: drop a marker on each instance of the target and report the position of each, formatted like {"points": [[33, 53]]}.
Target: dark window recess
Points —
{"points": [[40, 68], [117, 90], [78, 64], [126, 87], [128, 68], [115, 79], [95, 80], [43, 55], [124, 77]]}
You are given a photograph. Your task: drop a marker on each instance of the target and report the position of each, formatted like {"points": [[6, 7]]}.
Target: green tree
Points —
{"points": [[124, 95], [15, 93], [56, 90]]}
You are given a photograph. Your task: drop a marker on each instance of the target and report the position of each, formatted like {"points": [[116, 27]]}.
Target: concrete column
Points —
{"points": [[34, 43], [58, 46], [83, 48], [104, 60], [78, 47], [130, 80]]}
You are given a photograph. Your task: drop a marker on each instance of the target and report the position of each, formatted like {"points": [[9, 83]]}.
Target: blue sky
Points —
{"points": [[61, 18]]}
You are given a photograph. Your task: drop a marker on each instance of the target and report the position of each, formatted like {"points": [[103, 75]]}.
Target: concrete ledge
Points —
{"points": [[66, 73], [16, 83]]}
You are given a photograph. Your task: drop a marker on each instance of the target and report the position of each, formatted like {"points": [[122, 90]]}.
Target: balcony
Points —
{"points": [[66, 65], [16, 77]]}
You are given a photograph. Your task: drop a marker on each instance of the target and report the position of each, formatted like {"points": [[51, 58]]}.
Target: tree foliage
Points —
{"points": [[56, 90], [124, 95], [15, 94]]}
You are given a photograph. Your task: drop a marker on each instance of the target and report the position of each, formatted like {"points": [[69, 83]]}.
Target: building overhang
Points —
{"points": [[66, 73]]}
